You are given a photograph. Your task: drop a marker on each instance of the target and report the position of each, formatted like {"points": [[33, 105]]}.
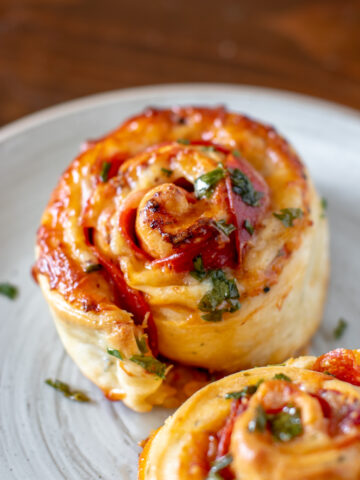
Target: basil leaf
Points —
{"points": [[105, 169], [166, 171], [215, 316], [150, 364], [9, 290], [226, 228], [244, 392], [183, 141], [339, 330], [93, 267], [219, 465], [248, 227], [242, 186], [205, 184], [286, 424], [62, 387], [141, 343], [115, 353], [258, 423], [288, 215], [282, 376], [199, 272]]}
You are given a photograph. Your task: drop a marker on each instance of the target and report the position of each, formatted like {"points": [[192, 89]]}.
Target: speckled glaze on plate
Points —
{"points": [[42, 434]]}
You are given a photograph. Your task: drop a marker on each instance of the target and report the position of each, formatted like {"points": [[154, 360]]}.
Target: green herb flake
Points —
{"points": [[244, 392], [62, 387], [248, 227], [226, 228], [205, 185], [340, 328], [282, 376], [150, 364], [93, 267], [141, 343], [115, 353], [166, 171], [258, 423], [288, 215], [199, 272], [219, 465], [224, 294], [324, 205], [9, 290], [242, 185], [209, 148], [183, 141], [105, 169], [286, 424], [236, 153]]}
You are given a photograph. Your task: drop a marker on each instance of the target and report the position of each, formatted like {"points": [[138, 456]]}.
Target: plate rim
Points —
{"points": [[88, 102]]}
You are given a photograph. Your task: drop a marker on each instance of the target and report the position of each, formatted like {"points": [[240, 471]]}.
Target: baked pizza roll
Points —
{"points": [[296, 421], [188, 243]]}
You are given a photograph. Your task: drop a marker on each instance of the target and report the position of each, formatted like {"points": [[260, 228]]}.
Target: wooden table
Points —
{"points": [[56, 50]]}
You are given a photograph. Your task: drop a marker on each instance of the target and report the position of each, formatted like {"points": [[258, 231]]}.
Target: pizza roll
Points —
{"points": [[187, 244], [296, 421]]}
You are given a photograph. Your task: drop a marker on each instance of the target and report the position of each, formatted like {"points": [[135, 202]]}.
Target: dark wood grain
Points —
{"points": [[56, 50]]}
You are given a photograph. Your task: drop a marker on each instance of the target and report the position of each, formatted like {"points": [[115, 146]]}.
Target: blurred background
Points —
{"points": [[57, 50]]}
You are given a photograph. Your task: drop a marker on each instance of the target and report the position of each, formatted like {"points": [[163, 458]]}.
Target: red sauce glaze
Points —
{"points": [[341, 363]]}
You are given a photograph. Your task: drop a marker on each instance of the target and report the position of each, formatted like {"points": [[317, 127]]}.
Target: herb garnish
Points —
{"points": [[93, 267], [150, 364], [244, 392], [166, 171], [324, 205], [248, 227], [288, 215], [219, 465], [8, 290], [205, 185], [236, 153], [199, 271], [62, 387], [226, 228], [105, 169], [340, 328], [224, 291], [242, 185], [141, 343], [284, 425], [209, 148], [183, 141], [282, 376], [115, 353]]}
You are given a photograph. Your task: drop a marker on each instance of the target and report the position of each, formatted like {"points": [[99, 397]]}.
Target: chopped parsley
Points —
{"points": [[150, 364], [324, 205], [183, 141], [105, 169], [340, 328], [62, 387], [115, 353], [244, 392], [248, 227], [226, 228], [282, 376], [209, 148], [93, 267], [242, 185], [224, 294], [284, 425], [166, 171], [236, 153], [9, 290], [205, 185], [219, 465], [199, 271], [288, 215], [141, 343]]}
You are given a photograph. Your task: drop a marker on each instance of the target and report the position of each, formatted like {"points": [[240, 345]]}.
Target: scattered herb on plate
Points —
{"points": [[288, 215], [9, 290], [64, 388], [340, 328]]}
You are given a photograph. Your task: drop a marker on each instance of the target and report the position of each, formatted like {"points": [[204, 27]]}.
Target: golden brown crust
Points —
{"points": [[325, 443], [126, 203]]}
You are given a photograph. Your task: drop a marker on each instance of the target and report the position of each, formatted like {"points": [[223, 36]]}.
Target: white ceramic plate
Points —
{"points": [[42, 434]]}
